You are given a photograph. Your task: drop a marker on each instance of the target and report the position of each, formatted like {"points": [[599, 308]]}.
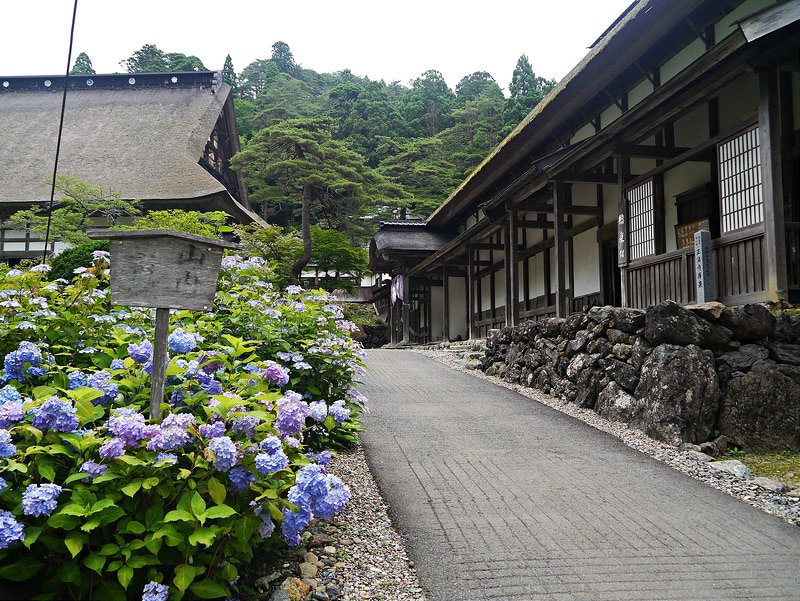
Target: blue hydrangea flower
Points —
{"points": [[267, 526], [323, 458], [318, 411], [36, 371], [310, 480], [224, 452], [167, 458], [276, 374], [141, 353], [7, 449], [11, 531], [153, 591], [29, 352], [336, 497], [9, 393], [180, 341], [101, 380], [94, 469], [241, 478], [212, 430], [55, 414], [293, 524], [40, 499], [3, 484], [76, 379], [117, 364], [339, 412], [291, 417], [294, 289], [272, 459]]}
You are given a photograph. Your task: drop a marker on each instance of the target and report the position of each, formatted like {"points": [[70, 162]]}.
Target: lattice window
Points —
{"points": [[740, 181], [641, 233]]}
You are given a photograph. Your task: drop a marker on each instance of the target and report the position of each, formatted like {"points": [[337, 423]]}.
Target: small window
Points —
{"points": [[641, 231], [740, 181]]}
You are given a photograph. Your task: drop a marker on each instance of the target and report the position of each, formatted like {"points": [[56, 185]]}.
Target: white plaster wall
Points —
{"points": [[437, 313], [738, 102], [638, 93], [587, 263], [458, 307], [682, 59]]}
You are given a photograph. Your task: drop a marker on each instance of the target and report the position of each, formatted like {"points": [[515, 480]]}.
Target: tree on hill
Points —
{"points": [[82, 65], [527, 90], [427, 106], [297, 167], [150, 59]]}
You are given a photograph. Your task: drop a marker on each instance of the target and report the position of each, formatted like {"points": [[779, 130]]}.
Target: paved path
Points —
{"points": [[501, 497]]}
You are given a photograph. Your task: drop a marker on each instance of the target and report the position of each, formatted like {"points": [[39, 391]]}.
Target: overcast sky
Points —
{"points": [[393, 41]]}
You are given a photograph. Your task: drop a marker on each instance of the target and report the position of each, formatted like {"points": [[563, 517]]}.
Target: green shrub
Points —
{"points": [[67, 261]]}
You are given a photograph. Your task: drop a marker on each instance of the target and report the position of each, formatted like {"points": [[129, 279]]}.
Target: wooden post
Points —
{"points": [[558, 221], [406, 306], [157, 375], [512, 273]]}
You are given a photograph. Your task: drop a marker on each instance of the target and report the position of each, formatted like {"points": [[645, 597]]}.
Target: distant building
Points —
{"points": [[683, 116], [162, 138]]}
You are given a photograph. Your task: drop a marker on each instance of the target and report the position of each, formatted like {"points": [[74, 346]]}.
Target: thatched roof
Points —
{"points": [[143, 140]]}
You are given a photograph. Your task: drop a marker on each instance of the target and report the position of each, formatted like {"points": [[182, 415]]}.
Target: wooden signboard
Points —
{"points": [[163, 268]]}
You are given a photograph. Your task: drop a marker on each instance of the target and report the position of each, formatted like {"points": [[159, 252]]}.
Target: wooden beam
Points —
{"points": [[587, 177], [649, 152]]}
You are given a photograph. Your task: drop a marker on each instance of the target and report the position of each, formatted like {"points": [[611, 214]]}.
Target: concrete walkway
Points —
{"points": [[501, 497]]}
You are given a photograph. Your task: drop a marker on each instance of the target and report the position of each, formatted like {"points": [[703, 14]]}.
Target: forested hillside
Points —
{"points": [[352, 150]]}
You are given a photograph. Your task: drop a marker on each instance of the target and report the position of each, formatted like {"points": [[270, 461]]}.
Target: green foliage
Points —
{"points": [[150, 59], [211, 224], [278, 248], [168, 509], [76, 211], [334, 256], [82, 66], [64, 264]]}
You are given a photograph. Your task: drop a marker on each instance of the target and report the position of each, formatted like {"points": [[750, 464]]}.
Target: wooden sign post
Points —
{"points": [[166, 270]]}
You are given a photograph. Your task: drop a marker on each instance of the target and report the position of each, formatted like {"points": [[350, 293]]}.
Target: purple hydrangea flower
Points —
{"points": [[241, 478], [311, 480], [245, 425], [112, 449], [127, 424], [94, 469], [40, 499], [323, 458], [212, 430], [11, 531], [339, 412], [7, 449], [181, 341], [153, 591], [10, 412], [141, 353], [172, 434], [318, 411], [267, 526], [55, 414], [224, 451], [276, 374], [101, 380], [291, 417]]}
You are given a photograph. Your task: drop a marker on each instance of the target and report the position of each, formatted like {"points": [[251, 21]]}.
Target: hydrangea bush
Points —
{"points": [[99, 502]]}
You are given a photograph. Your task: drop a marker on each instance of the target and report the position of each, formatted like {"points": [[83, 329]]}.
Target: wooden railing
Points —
{"points": [[739, 270]]}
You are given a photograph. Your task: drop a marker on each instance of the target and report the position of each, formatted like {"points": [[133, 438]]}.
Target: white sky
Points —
{"points": [[373, 38]]}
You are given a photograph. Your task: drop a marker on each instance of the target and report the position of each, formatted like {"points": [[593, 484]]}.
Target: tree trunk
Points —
{"points": [[297, 268]]}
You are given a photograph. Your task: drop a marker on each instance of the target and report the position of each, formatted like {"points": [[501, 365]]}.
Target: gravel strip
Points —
{"points": [[687, 460]]}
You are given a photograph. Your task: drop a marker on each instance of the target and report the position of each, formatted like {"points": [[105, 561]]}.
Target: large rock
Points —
{"points": [[669, 323], [629, 320], [761, 410], [749, 323], [614, 403], [744, 357], [678, 395]]}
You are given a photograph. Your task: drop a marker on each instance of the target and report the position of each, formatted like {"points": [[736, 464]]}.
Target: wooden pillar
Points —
{"points": [[623, 168], [471, 330], [445, 305], [558, 226], [406, 306], [512, 271], [772, 184]]}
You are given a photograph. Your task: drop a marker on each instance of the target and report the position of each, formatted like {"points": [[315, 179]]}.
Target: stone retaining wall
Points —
{"points": [[723, 376]]}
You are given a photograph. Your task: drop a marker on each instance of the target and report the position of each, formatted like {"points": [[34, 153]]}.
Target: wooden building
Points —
{"points": [[162, 138], [683, 116]]}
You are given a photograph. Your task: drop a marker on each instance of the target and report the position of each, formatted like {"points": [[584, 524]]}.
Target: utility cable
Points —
{"points": [[60, 131]]}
